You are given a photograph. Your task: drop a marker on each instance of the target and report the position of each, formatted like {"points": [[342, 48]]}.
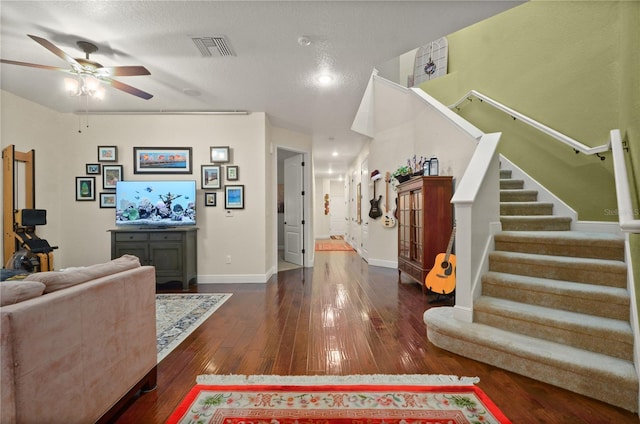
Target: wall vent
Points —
{"points": [[216, 46]]}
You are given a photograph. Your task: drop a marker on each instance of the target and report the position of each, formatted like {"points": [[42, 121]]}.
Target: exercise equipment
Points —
{"points": [[21, 246]]}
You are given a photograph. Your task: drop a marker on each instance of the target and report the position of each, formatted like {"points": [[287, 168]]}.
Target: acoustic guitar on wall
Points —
{"points": [[441, 279]]}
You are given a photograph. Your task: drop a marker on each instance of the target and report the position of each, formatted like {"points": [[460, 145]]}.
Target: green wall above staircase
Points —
{"points": [[560, 63]]}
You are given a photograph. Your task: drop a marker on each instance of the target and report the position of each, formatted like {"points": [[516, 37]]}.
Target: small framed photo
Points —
{"points": [[232, 173], [220, 154], [234, 197], [107, 200], [107, 153], [111, 174], [93, 169], [85, 188], [210, 199], [211, 177], [162, 160]]}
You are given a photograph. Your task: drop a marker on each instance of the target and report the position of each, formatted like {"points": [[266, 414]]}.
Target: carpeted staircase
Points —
{"points": [[554, 304]]}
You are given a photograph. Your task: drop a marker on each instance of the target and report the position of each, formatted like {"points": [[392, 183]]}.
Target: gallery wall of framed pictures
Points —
{"points": [[220, 171], [106, 170], [218, 174]]}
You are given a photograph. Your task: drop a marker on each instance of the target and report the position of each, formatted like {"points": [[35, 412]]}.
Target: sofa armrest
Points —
{"points": [[91, 342]]}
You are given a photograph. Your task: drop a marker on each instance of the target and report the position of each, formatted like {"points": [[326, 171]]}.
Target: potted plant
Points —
{"points": [[402, 174]]}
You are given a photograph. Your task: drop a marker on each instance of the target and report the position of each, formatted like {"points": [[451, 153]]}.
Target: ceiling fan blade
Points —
{"points": [[124, 71], [128, 89], [33, 65], [53, 49]]}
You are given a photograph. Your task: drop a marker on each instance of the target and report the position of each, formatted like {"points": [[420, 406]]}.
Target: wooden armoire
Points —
{"points": [[425, 222]]}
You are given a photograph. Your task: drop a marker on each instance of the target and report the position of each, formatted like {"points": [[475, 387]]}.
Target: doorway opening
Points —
{"points": [[293, 209]]}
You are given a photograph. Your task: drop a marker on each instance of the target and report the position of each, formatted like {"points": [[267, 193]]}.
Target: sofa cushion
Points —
{"points": [[58, 280], [16, 291]]}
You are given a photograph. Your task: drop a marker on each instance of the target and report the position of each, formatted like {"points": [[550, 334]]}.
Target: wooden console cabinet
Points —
{"points": [[173, 252], [424, 224]]}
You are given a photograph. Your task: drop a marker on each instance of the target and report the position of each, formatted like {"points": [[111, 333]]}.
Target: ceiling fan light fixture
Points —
{"points": [[71, 86], [84, 85], [99, 93], [90, 84]]}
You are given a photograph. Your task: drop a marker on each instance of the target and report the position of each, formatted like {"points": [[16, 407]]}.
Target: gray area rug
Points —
{"points": [[179, 314]]}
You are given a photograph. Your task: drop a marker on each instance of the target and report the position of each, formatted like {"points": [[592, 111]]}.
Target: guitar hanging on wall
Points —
{"points": [[442, 277], [375, 211], [389, 221]]}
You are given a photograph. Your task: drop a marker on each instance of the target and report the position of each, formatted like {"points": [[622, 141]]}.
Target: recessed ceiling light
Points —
{"points": [[334, 154], [324, 79]]}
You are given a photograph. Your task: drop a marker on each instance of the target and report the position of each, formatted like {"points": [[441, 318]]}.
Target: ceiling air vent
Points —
{"points": [[216, 46]]}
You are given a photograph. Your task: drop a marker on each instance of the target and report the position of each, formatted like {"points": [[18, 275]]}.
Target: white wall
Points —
{"points": [[28, 126], [321, 221], [359, 174], [80, 229]]}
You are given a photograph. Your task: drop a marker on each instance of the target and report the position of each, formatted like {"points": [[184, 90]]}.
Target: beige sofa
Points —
{"points": [[72, 354]]}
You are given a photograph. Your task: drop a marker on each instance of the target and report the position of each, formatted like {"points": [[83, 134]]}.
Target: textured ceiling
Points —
{"points": [[270, 72]]}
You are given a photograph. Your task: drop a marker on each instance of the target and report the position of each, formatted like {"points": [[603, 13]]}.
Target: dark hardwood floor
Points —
{"points": [[341, 317]]}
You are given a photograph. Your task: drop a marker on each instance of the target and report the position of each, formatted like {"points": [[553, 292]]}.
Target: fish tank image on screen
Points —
{"points": [[156, 203]]}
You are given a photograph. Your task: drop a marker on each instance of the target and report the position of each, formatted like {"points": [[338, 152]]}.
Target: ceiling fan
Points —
{"points": [[86, 68]]}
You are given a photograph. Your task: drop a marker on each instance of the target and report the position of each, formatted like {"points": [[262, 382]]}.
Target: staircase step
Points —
{"points": [[509, 184], [581, 270], [535, 223], [604, 301], [526, 208], [563, 243], [505, 174], [518, 195], [596, 334], [611, 380]]}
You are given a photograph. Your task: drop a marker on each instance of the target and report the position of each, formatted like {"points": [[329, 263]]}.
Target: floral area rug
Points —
{"points": [[178, 315], [371, 399]]}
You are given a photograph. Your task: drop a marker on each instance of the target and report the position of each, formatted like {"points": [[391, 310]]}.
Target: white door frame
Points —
{"points": [[294, 213], [309, 243]]}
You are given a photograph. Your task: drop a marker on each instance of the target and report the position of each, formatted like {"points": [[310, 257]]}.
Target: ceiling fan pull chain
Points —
{"points": [[79, 118], [87, 111]]}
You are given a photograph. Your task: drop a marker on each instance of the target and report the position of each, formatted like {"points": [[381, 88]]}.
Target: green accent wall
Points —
{"points": [[630, 113], [567, 64]]}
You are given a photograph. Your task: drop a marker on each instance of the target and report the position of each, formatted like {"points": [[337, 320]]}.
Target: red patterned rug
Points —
{"points": [[349, 399]]}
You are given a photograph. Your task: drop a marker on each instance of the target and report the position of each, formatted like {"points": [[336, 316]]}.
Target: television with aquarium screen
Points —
{"points": [[156, 203]]}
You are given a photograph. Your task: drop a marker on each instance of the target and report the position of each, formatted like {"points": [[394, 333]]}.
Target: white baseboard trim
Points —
{"points": [[383, 263], [234, 279]]}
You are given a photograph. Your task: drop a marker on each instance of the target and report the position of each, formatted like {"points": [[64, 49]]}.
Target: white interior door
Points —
{"points": [[293, 209], [338, 208]]}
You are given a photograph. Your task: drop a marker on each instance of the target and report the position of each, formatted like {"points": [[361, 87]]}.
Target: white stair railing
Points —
{"points": [[626, 213], [574, 144], [476, 201]]}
